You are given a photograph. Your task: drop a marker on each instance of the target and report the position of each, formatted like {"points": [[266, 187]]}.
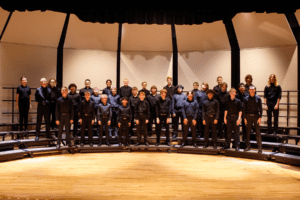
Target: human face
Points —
{"points": [[224, 88], [87, 84], [153, 90], [195, 86], [232, 94], [87, 96], [73, 90], [134, 92], [169, 81], [163, 95], [252, 92], [204, 88], [272, 79], [104, 100], [124, 102], [142, 96], [108, 84], [179, 90], [126, 82], [190, 96], [52, 83], [210, 95], [96, 92], [219, 80], [24, 82], [144, 85], [242, 88], [248, 81], [114, 91], [64, 92], [44, 83]]}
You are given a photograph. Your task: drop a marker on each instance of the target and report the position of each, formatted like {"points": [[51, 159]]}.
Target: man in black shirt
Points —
{"points": [[55, 94], [272, 96], [217, 88], [107, 90], [64, 116], [152, 99], [86, 118], [222, 96], [87, 88], [125, 91], [76, 100], [163, 115], [132, 103], [144, 89], [252, 113], [23, 102], [104, 118], [42, 97], [248, 80], [241, 95], [141, 115], [124, 119], [210, 113], [171, 90], [232, 117]]}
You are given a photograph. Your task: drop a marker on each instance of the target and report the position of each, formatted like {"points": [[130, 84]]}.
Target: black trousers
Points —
{"points": [[186, 130], [231, 126], [152, 120], [200, 126], [252, 119], [221, 125], [114, 123], [271, 110], [176, 121], [142, 122], [23, 114], [87, 122], [124, 130], [43, 110], [75, 121], [132, 123], [210, 123], [104, 121], [64, 120], [52, 114], [163, 120]]}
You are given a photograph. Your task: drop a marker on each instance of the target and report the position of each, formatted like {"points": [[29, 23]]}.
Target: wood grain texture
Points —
{"points": [[147, 176]]}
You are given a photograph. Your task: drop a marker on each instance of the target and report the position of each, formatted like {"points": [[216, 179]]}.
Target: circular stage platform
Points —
{"points": [[144, 175]]}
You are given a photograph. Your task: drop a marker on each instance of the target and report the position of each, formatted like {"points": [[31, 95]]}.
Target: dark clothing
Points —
{"points": [[107, 91], [64, 106], [222, 97], [87, 108], [24, 105], [186, 129], [153, 105], [252, 119], [104, 111], [163, 121], [84, 90], [210, 108], [247, 88], [114, 101], [233, 107], [132, 103], [241, 97], [201, 97], [272, 93], [231, 126], [42, 96], [124, 117], [125, 91], [210, 122], [104, 120], [217, 89], [87, 114], [124, 113], [142, 107], [96, 100], [55, 94], [177, 102], [76, 100], [142, 117], [64, 120], [164, 107], [147, 92], [252, 105], [190, 109], [170, 91], [152, 101]]}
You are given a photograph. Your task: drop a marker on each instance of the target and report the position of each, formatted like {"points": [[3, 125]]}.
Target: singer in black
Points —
{"points": [[104, 118], [124, 119], [23, 102], [64, 113], [141, 115], [76, 99]]}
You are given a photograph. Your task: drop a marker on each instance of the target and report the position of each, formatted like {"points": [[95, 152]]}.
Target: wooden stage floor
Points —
{"points": [[147, 175]]}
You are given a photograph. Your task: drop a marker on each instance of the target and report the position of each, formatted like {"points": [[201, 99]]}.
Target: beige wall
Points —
{"points": [[3, 17]]}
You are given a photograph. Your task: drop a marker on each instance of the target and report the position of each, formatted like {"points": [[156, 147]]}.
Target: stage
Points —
{"points": [[147, 175]]}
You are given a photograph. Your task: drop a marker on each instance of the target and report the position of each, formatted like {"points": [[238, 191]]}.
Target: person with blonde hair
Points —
{"points": [[272, 96]]}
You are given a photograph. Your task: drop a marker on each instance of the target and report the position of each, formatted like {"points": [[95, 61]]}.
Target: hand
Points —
{"points": [[259, 121], [276, 107], [225, 121], [174, 115], [93, 121], [108, 123], [266, 107], [99, 122], [185, 121], [245, 121], [194, 122], [119, 124], [215, 121], [30, 106], [137, 121], [204, 122], [168, 121], [71, 121], [238, 122], [129, 124], [157, 121], [80, 121], [57, 122], [147, 121]]}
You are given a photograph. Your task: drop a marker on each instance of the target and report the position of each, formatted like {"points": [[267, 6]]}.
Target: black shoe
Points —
{"points": [[91, 144], [247, 149], [259, 151], [137, 144], [147, 144], [81, 144], [169, 144], [215, 146], [157, 144], [120, 144], [195, 145], [237, 148], [226, 147], [107, 144], [127, 144], [182, 145], [100, 144], [58, 146], [36, 138]]}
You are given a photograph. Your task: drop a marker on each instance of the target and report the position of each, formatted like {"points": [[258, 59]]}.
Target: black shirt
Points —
{"points": [[170, 91], [107, 91], [64, 106], [252, 105], [87, 107], [42, 95], [163, 107], [241, 97], [217, 89], [55, 94], [272, 93], [125, 91], [124, 112], [233, 107], [133, 101], [84, 90], [104, 110], [210, 107], [142, 107], [76, 99], [222, 97], [152, 101], [147, 92], [24, 93], [190, 109]]}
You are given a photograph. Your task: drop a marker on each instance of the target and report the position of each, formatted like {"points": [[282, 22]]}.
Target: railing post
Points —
{"points": [[13, 105], [288, 108]]}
